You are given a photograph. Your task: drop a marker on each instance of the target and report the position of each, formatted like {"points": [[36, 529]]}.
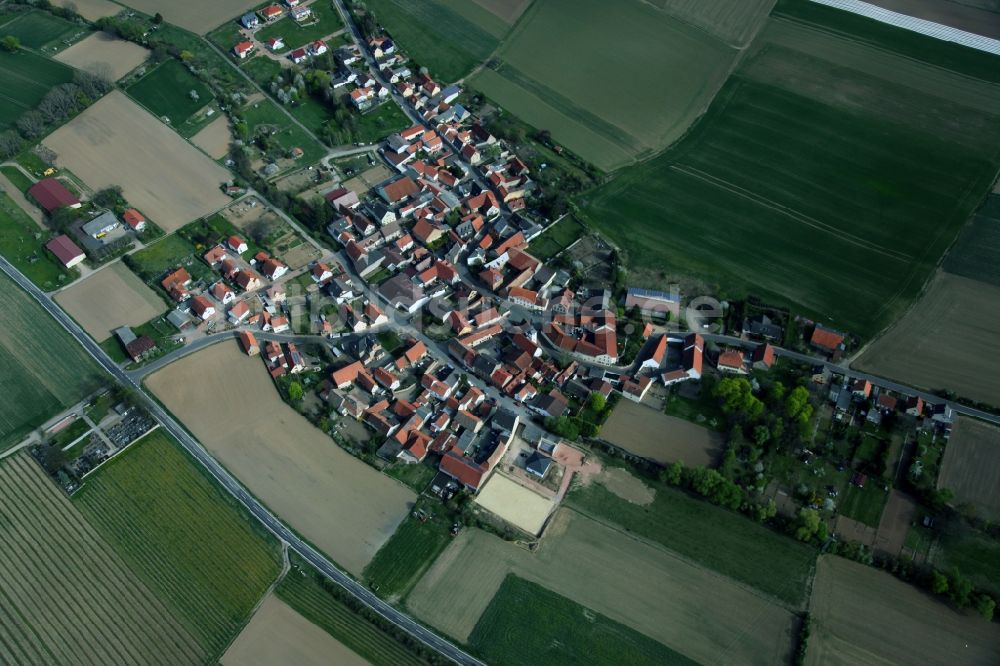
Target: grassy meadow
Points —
{"points": [[184, 536], [829, 175], [42, 369], [166, 92], [25, 77], [526, 623], [22, 243]]}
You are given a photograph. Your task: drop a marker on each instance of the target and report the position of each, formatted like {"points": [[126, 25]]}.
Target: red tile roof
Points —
{"points": [[826, 338], [458, 466]]}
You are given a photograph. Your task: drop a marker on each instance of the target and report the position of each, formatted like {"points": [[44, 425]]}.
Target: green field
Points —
{"points": [[648, 76], [828, 175], [24, 79], [22, 243], [323, 22], [186, 538], [718, 539], [266, 114], [42, 31], [528, 624], [448, 37], [67, 597], [975, 253], [42, 369], [166, 92], [412, 548], [303, 590]]}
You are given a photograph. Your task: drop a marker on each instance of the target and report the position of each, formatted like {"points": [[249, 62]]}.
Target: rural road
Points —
{"points": [[233, 487]]}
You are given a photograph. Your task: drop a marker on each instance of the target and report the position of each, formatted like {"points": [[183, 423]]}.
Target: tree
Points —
{"points": [[985, 605], [960, 589], [31, 124], [186, 56], [193, 94], [809, 525], [108, 197], [10, 43], [10, 144], [295, 391], [157, 18], [736, 397], [939, 582], [53, 459], [598, 402], [673, 474]]}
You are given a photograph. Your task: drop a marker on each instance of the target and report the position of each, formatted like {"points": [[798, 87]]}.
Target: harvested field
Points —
{"points": [[93, 9], [519, 506], [110, 144], [109, 298], [42, 368], [278, 635], [333, 499], [507, 11], [971, 466], [861, 615], [613, 123], [666, 439], [103, 54], [961, 14], [700, 614], [860, 161], [214, 139], [920, 348], [67, 596], [194, 15], [619, 481]]}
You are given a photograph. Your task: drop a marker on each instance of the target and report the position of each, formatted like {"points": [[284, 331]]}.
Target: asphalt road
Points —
{"points": [[233, 487]]}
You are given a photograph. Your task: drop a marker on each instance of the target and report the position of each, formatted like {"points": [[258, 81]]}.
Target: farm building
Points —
{"points": [[101, 226], [51, 194], [65, 250]]}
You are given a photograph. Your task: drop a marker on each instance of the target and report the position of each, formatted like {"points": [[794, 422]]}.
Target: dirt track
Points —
{"points": [[109, 298], [334, 500], [278, 635], [116, 142]]}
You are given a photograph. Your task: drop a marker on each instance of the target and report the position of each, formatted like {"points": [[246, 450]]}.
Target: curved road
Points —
{"points": [[233, 487]]}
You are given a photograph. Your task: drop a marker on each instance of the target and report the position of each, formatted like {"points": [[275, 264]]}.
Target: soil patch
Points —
{"points": [[665, 439], [111, 297], [626, 486], [333, 499], [971, 466], [104, 55], [214, 139]]}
